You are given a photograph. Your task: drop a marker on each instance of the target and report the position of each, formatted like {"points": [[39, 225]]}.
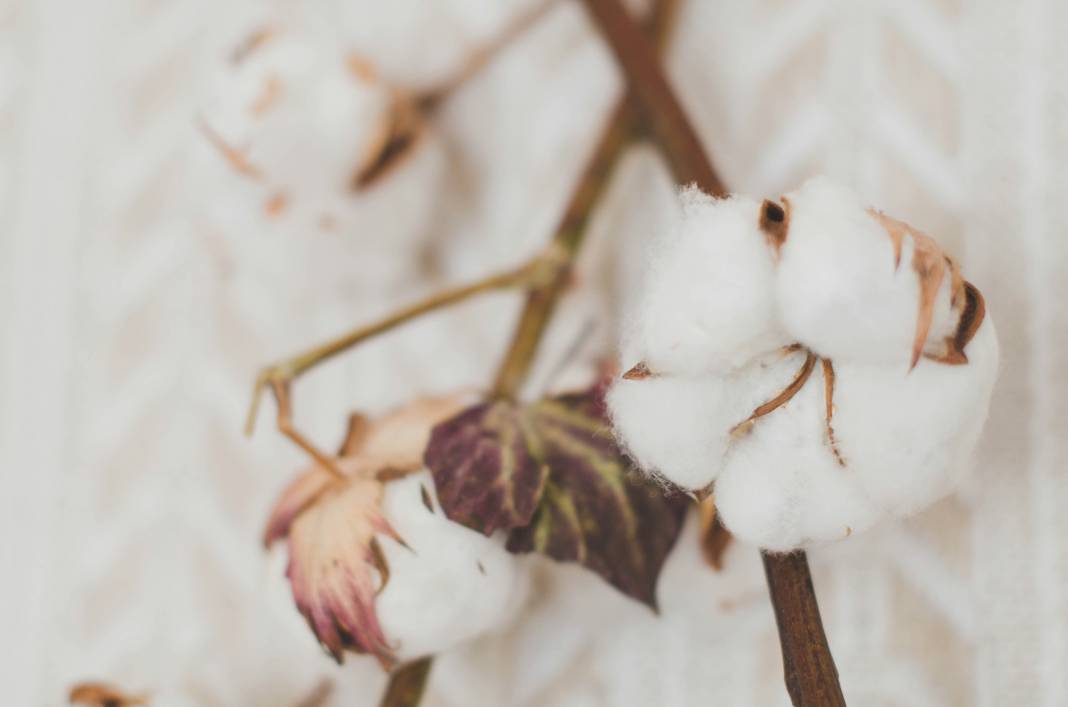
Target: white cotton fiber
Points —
{"points": [[866, 435], [782, 486], [838, 287], [706, 301], [293, 121], [450, 584], [298, 113], [680, 426], [908, 436]]}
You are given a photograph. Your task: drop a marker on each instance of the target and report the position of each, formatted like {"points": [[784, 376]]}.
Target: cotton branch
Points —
{"points": [[808, 667], [407, 684]]}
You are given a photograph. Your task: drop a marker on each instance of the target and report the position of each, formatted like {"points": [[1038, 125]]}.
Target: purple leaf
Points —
{"points": [[552, 473]]}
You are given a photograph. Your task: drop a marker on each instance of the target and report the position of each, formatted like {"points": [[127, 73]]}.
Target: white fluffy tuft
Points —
{"points": [[706, 302], [838, 288], [719, 303], [450, 584]]}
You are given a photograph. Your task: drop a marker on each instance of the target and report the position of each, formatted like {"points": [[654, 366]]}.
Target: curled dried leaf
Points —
{"points": [[97, 694]]}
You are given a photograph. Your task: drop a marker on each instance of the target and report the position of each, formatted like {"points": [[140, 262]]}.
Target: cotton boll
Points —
{"points": [[706, 302], [297, 118], [298, 113], [782, 487], [839, 287], [908, 436], [450, 584], [680, 427]]}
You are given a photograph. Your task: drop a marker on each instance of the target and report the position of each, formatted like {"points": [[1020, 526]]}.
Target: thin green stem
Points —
{"points": [[532, 273]]}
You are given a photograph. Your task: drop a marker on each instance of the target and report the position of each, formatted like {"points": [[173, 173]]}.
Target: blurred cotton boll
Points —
{"points": [[322, 149]]}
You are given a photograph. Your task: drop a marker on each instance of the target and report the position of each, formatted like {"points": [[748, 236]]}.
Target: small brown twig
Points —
{"points": [[481, 57], [808, 667]]}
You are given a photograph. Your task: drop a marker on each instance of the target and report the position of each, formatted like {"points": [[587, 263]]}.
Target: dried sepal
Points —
{"points": [[236, 157], [335, 565], [930, 263], [97, 694], [829, 380], [332, 525], [786, 395], [970, 320], [398, 439], [640, 371], [715, 539], [775, 222], [396, 137], [296, 497]]}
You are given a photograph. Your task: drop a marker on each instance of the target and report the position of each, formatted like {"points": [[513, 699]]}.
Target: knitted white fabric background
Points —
{"points": [[132, 321]]}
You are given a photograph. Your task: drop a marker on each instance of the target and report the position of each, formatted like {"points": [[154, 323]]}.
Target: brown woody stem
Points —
{"points": [[808, 667], [572, 227]]}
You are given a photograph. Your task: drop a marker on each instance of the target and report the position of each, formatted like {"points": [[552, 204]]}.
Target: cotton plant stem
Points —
{"points": [[808, 667], [484, 55], [407, 684], [278, 376], [541, 302], [410, 680]]}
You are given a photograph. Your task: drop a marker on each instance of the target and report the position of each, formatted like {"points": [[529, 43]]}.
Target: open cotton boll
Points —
{"points": [[840, 288], [320, 149], [298, 112], [782, 487], [706, 300], [679, 427], [908, 436], [449, 584]]}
